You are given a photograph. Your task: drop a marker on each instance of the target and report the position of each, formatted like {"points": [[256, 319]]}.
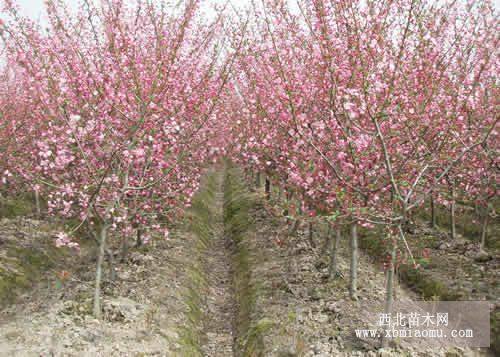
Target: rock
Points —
{"points": [[74, 308], [121, 309], [299, 250], [453, 353], [332, 308], [482, 257], [325, 276], [442, 245], [89, 335], [288, 351], [470, 253], [139, 258], [124, 275], [171, 335], [322, 318], [320, 264], [316, 348]]}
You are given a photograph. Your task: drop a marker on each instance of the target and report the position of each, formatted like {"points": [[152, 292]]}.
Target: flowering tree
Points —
{"points": [[120, 95], [12, 112], [360, 110], [369, 107]]}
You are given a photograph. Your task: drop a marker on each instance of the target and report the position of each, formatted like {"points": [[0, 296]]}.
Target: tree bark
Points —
{"points": [[112, 269], [288, 199], [334, 243], [453, 228], [354, 262], [433, 211], [257, 179], [37, 204], [124, 249], [138, 241], [268, 188], [311, 234], [98, 277], [484, 228], [327, 242], [389, 288], [295, 227]]}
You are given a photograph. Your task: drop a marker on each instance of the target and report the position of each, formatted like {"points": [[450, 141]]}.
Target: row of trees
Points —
{"points": [[365, 110], [360, 110]]}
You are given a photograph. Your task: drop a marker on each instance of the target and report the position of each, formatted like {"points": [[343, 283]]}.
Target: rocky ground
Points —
{"points": [[315, 317], [230, 280], [142, 309], [459, 264]]}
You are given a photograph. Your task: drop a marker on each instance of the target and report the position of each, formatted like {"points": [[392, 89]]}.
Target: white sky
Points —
{"points": [[35, 8]]}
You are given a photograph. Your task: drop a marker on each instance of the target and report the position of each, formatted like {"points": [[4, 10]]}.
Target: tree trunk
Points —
{"points": [[98, 277], [354, 262], [138, 241], [311, 234], [257, 179], [433, 211], [124, 249], [268, 188], [295, 227], [453, 228], [37, 204], [288, 197], [389, 288], [334, 243], [327, 242], [484, 228], [111, 260]]}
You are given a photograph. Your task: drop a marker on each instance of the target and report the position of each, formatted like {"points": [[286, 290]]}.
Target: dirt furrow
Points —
{"points": [[220, 301]]}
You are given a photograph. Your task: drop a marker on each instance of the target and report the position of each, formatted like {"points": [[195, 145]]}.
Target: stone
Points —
{"points": [[316, 348], [287, 352], [443, 245], [332, 308], [322, 318], [171, 335], [121, 309], [482, 257]]}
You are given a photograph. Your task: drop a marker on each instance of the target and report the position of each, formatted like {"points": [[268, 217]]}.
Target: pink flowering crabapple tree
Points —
{"points": [[120, 98], [12, 134], [360, 110], [368, 107]]}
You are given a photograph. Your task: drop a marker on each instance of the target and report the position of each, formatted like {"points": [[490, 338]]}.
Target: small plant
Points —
{"points": [[61, 278]]}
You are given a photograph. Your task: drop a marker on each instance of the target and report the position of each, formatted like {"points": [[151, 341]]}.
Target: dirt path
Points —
{"points": [[220, 302]]}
